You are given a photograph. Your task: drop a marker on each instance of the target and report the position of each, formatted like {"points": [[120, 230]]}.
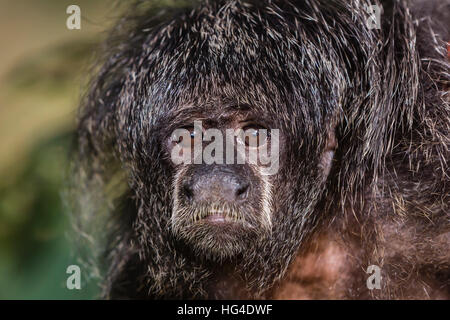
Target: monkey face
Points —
{"points": [[222, 190], [224, 170]]}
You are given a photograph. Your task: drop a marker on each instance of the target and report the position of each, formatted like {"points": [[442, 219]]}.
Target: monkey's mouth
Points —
{"points": [[215, 216], [219, 223], [215, 229]]}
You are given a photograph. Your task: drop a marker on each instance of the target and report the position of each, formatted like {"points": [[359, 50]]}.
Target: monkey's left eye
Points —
{"points": [[255, 136]]}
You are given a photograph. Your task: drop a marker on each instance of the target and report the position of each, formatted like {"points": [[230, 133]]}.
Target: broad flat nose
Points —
{"points": [[216, 186]]}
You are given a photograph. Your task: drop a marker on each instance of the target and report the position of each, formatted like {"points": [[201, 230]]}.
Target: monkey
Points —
{"points": [[362, 115]]}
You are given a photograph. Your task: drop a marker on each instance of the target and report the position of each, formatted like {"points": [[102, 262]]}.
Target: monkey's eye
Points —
{"points": [[255, 136], [188, 143]]}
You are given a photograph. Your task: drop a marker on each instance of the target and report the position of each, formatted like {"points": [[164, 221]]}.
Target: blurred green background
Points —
{"points": [[42, 67]]}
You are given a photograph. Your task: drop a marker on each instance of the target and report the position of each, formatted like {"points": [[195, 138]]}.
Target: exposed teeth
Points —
{"points": [[216, 209]]}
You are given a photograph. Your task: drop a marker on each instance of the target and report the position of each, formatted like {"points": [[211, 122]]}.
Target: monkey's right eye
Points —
{"points": [[187, 140]]}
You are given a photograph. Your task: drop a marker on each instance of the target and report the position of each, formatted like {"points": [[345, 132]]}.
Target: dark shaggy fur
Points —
{"points": [[313, 69]]}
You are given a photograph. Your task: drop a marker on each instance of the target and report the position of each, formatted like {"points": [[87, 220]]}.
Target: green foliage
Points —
{"points": [[34, 247]]}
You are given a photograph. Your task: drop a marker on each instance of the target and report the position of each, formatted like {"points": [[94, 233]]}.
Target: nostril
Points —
{"points": [[188, 192], [242, 191]]}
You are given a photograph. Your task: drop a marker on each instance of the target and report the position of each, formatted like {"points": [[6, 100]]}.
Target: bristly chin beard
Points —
{"points": [[215, 232]]}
